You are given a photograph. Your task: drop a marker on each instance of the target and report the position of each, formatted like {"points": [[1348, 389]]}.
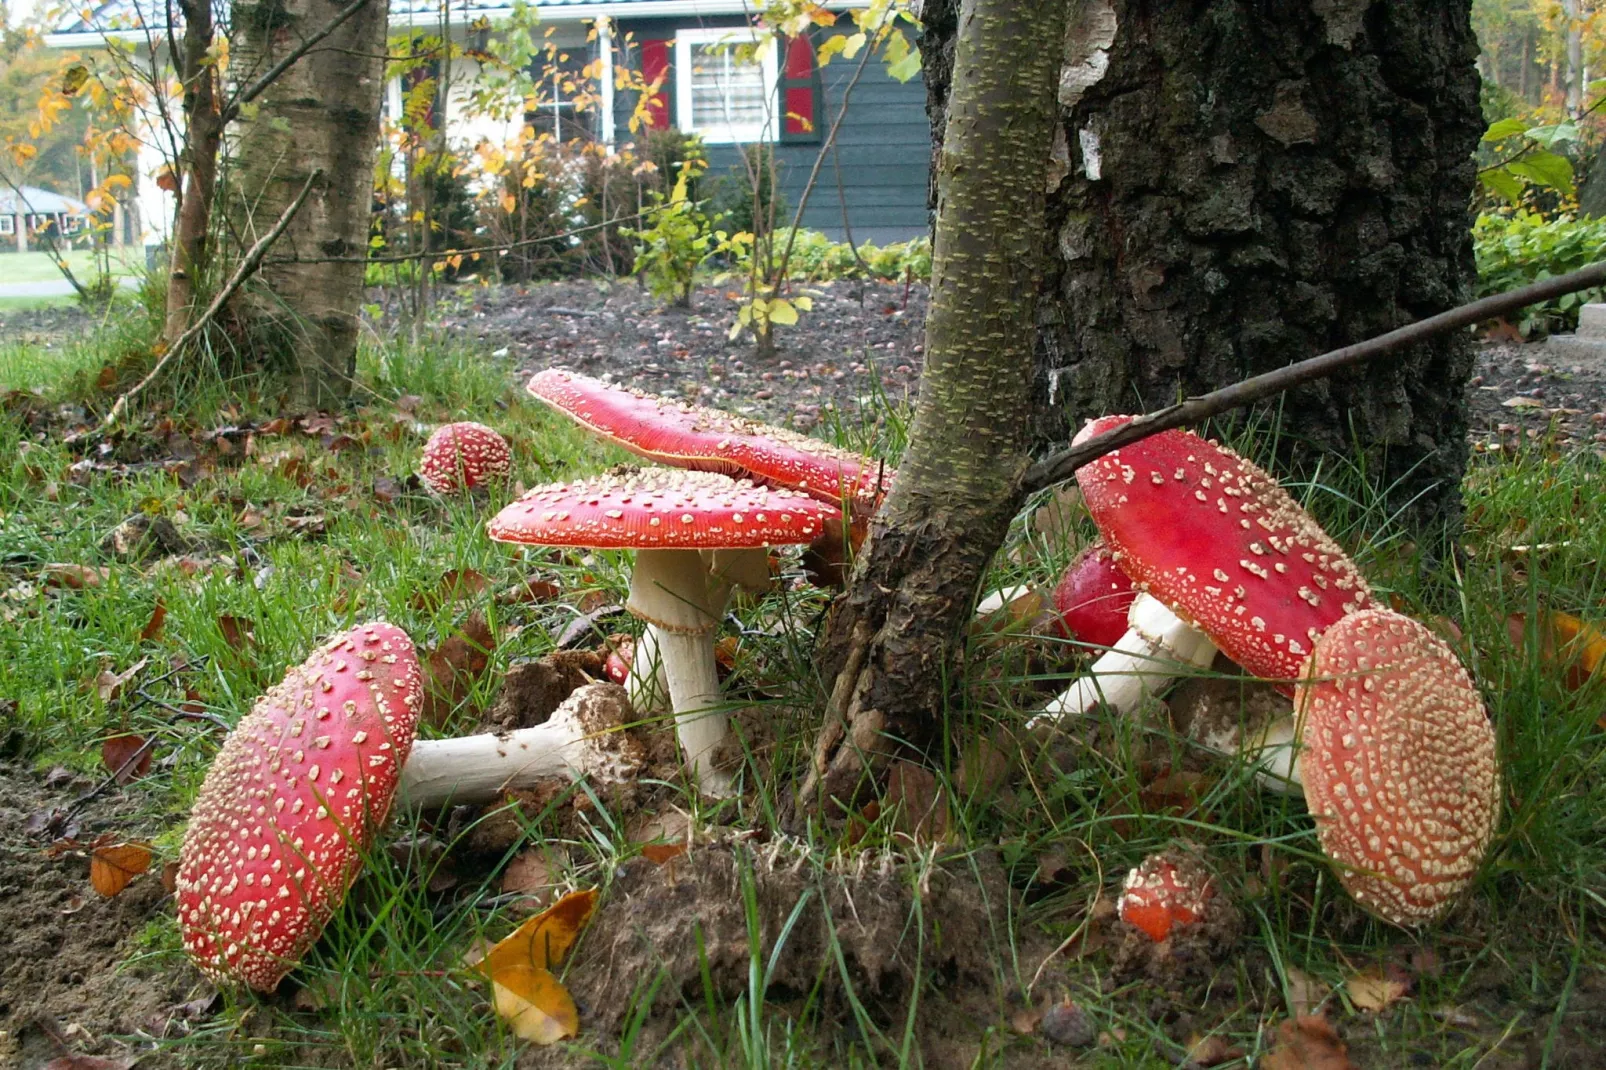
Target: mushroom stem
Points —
{"points": [[1157, 647], [670, 591], [584, 737], [727, 570]]}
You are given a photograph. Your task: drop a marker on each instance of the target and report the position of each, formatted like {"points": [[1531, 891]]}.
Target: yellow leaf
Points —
{"points": [[543, 940], [112, 866], [1565, 642], [804, 302], [782, 312], [1370, 990], [534, 1004], [509, 203]]}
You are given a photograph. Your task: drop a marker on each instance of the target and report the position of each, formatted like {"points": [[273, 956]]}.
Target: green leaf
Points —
{"points": [[1549, 135], [1503, 183], [906, 68], [1505, 128], [782, 312], [1545, 168]]}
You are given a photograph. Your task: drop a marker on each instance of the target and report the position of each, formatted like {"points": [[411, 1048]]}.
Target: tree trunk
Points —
{"points": [[1248, 184], [203, 134], [892, 640], [322, 113]]}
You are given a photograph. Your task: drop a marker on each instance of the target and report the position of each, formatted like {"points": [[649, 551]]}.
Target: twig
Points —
{"points": [[446, 254], [559, 310], [1062, 466], [252, 91], [253, 260]]}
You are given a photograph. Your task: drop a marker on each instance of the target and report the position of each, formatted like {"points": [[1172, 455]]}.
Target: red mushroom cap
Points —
{"points": [[1399, 764], [1163, 893], [692, 436], [291, 802], [661, 508], [1215, 538], [1092, 598], [464, 455]]}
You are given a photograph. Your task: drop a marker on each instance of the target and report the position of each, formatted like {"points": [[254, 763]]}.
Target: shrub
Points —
{"points": [[1521, 248]]}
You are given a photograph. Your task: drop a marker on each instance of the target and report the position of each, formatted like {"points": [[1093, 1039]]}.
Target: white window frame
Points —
{"points": [[8, 223], [727, 133]]}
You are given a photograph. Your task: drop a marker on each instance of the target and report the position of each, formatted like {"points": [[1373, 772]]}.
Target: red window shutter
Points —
{"points": [[799, 91], [655, 69]]}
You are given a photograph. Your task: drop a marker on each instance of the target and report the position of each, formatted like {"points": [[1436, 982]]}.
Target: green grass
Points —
{"points": [[36, 266], [388, 983]]}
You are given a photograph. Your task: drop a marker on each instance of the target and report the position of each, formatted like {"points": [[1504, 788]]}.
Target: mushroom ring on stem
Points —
{"points": [[1224, 554], [668, 516], [682, 435]]}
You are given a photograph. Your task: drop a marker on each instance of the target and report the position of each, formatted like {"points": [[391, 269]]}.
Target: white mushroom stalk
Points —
{"points": [[585, 738]]}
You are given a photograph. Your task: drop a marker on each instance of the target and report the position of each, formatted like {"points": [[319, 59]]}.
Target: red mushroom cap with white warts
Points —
{"points": [[292, 801], [1093, 596], [464, 455], [1216, 539], [661, 509], [693, 436], [1399, 764], [1164, 893]]}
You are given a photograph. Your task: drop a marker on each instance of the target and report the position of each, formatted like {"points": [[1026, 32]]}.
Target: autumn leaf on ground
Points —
{"points": [[533, 588], [126, 756], [451, 668], [534, 1003], [1564, 642], [238, 632], [113, 865], [1305, 993], [920, 803], [109, 685], [76, 577], [455, 585], [1307, 1043], [153, 627], [1210, 1051], [1372, 990]]}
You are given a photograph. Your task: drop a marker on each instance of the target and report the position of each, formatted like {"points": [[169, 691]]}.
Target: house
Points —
{"points": [[22, 218], [873, 183]]}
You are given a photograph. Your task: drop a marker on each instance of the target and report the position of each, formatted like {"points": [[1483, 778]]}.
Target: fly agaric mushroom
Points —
{"points": [[1225, 557], [1165, 892], [691, 436], [1093, 598], [462, 456], [291, 803], [1399, 764], [668, 516]]}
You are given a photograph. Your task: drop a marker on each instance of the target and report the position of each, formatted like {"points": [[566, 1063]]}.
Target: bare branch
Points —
{"points": [[247, 267], [445, 254], [1062, 466]]}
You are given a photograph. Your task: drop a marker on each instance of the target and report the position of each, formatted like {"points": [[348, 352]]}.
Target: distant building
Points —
{"points": [[23, 218], [874, 182]]}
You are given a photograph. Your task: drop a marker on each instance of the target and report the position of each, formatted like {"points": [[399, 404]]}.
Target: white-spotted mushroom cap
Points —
{"points": [[661, 509], [291, 802], [692, 436], [1218, 541], [464, 455], [1093, 596], [1399, 764], [1164, 892]]}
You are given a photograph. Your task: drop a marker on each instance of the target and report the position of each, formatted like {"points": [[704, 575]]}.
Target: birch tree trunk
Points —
{"points": [[321, 114], [892, 641]]}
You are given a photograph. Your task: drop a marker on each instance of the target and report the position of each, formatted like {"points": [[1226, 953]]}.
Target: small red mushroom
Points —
{"points": [[462, 456], [1161, 895], [1093, 597], [292, 801]]}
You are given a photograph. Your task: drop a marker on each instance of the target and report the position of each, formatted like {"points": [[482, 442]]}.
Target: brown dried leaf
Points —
{"points": [[1210, 1051], [153, 627], [455, 585], [1372, 990], [126, 756], [920, 802], [238, 632], [1307, 1043], [109, 685], [659, 853], [530, 873], [1305, 993], [113, 865], [533, 588], [75, 577], [451, 668]]}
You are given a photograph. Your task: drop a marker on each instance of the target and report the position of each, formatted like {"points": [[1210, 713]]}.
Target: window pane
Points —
{"points": [[724, 91]]}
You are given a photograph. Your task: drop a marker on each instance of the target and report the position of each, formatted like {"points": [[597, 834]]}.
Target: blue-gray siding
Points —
{"points": [[882, 154]]}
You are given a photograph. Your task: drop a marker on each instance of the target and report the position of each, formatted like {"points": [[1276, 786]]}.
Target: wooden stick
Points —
{"points": [[1062, 466], [247, 267]]}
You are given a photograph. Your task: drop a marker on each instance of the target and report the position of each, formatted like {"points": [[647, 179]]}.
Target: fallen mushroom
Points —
{"points": [[462, 456], [1093, 598], [692, 436], [291, 803], [668, 516], [1398, 764], [1225, 559]]}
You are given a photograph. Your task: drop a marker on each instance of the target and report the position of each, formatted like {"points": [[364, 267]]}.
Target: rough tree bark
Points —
{"points": [[203, 134], [1246, 183], [321, 114], [891, 641]]}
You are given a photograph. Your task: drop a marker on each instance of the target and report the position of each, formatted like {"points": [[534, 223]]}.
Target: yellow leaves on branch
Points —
{"points": [[525, 992]]}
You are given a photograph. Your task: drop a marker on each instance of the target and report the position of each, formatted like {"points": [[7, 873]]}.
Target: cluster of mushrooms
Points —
{"points": [[1204, 552]]}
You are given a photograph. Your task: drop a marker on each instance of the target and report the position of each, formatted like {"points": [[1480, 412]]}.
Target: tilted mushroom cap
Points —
{"points": [[464, 455], [691, 436], [1399, 764], [661, 509], [1093, 596], [1164, 892], [1215, 538], [291, 802]]}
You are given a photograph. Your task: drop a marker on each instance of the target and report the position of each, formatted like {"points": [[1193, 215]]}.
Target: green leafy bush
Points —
{"points": [[678, 241], [1522, 248], [818, 258]]}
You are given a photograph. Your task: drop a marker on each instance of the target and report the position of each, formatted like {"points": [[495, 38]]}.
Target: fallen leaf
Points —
{"points": [[1210, 1051], [455, 585], [1370, 990], [90, 1062], [530, 873], [533, 588], [1305, 993], [585, 626], [1026, 1020], [153, 627], [126, 756], [170, 877], [1307, 1043], [920, 802], [238, 632], [659, 853], [534, 1003], [451, 668], [76, 577], [1565, 642], [109, 685], [1176, 792], [113, 865]]}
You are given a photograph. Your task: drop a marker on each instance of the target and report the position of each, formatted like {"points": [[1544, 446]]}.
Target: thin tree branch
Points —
{"points": [[444, 254], [1062, 466], [252, 91], [247, 267]]}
